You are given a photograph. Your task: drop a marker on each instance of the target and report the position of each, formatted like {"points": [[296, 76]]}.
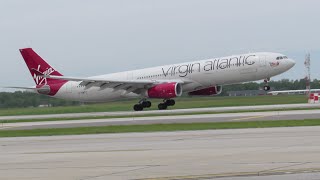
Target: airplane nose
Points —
{"points": [[290, 63]]}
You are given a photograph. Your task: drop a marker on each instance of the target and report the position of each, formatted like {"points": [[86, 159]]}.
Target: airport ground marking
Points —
{"points": [[6, 127], [237, 174], [250, 117]]}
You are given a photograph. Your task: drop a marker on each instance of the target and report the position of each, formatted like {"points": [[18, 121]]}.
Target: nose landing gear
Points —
{"points": [[266, 87]]}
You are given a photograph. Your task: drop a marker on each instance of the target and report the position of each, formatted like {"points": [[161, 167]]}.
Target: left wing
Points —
{"points": [[128, 85]]}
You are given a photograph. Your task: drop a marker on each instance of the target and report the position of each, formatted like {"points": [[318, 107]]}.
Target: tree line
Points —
{"points": [[27, 99], [283, 84]]}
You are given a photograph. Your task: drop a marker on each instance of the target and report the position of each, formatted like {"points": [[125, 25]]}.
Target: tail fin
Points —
{"points": [[37, 66]]}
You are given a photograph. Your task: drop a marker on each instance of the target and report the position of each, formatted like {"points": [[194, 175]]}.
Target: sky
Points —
{"points": [[86, 38]]}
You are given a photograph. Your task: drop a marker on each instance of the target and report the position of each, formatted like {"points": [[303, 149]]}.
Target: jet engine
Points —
{"points": [[165, 90]]}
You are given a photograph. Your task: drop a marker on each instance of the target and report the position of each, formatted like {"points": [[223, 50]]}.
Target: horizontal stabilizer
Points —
{"points": [[16, 87], [27, 88]]}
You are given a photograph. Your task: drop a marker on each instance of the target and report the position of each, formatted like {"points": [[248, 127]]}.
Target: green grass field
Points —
{"points": [[184, 102], [158, 127]]}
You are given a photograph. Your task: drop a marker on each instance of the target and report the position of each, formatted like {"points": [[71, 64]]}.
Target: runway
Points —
{"points": [[227, 117], [263, 154], [168, 112]]}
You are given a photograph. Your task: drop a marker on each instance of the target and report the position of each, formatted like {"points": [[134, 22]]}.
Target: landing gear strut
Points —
{"points": [[266, 87], [142, 104], [166, 103]]}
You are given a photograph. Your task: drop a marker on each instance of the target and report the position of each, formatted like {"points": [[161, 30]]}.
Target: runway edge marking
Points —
{"points": [[250, 117], [239, 174]]}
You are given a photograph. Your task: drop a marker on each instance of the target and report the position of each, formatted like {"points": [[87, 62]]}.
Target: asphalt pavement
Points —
{"points": [[251, 154]]}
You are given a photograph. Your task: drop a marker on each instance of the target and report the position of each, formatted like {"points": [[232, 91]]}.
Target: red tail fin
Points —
{"points": [[38, 66]]}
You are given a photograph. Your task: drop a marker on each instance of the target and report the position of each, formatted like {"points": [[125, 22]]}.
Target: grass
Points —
{"points": [[158, 128], [183, 102]]}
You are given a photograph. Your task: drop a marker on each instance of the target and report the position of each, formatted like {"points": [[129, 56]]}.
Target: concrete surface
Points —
{"points": [[267, 153]]}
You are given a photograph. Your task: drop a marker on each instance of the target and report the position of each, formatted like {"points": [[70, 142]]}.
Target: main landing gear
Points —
{"points": [[142, 104], [146, 104], [166, 103], [266, 87]]}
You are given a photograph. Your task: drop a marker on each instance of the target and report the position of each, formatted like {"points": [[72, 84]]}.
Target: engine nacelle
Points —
{"points": [[165, 91], [215, 90]]}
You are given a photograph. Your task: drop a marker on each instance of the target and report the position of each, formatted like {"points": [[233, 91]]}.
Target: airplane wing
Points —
{"points": [[18, 87], [44, 89], [128, 85]]}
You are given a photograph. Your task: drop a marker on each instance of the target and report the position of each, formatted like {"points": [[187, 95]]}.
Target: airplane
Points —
{"points": [[198, 78]]}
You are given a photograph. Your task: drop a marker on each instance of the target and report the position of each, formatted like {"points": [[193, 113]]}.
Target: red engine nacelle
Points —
{"points": [[215, 90], [165, 91]]}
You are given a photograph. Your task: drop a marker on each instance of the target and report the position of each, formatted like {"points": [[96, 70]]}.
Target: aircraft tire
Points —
{"points": [[138, 107], [266, 88], [162, 106], [170, 102]]}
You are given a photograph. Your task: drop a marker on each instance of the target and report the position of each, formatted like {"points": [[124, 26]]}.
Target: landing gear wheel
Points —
{"points": [[162, 106], [170, 102], [138, 107], [266, 88], [146, 104]]}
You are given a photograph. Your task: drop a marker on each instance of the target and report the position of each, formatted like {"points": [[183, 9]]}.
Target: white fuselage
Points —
{"points": [[200, 74]]}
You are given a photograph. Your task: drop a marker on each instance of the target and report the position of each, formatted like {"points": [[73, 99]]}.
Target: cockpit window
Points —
{"points": [[282, 57]]}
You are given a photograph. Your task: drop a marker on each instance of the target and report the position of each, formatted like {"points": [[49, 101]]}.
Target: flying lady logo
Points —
{"points": [[42, 80]]}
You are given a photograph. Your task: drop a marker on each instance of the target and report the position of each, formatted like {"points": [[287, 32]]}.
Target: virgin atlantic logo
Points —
{"points": [[42, 80]]}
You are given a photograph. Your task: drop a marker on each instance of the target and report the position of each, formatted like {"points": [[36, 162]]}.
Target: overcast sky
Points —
{"points": [[85, 38]]}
